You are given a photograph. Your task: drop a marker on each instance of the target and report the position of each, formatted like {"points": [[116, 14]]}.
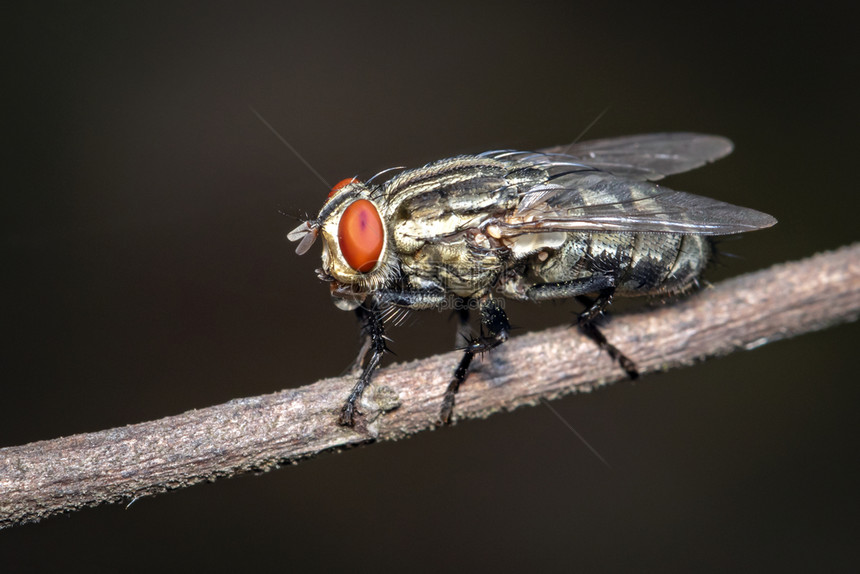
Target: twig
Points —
{"points": [[260, 433]]}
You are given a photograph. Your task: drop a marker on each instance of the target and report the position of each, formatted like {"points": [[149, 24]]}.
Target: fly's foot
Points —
{"points": [[623, 361], [347, 415], [628, 365], [459, 376], [447, 407], [450, 397]]}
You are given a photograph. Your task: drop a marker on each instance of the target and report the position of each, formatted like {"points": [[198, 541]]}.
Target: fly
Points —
{"points": [[581, 221]]}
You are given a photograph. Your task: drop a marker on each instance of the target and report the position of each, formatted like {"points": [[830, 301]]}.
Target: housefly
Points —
{"points": [[581, 221]]}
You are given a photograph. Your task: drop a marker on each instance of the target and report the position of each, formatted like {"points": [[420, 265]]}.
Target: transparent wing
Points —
{"points": [[642, 157], [602, 202]]}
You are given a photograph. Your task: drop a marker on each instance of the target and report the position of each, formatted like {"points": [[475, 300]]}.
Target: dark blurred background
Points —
{"points": [[146, 272]]}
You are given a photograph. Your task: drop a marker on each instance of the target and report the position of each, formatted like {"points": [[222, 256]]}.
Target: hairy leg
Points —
{"points": [[494, 322]]}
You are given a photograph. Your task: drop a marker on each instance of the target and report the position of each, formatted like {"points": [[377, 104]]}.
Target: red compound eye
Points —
{"points": [[342, 183], [360, 235]]}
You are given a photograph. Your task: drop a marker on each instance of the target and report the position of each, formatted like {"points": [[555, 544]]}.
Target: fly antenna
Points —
{"points": [[290, 147]]}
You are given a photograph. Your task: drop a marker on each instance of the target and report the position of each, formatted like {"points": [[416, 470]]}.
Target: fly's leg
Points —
{"points": [[364, 317], [373, 328], [604, 286], [464, 331], [585, 321], [568, 289], [495, 323], [373, 337]]}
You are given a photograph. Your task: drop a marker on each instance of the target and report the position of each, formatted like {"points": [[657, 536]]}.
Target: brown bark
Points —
{"points": [[260, 433]]}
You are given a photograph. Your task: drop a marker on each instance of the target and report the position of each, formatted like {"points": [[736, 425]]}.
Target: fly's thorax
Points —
{"points": [[357, 253], [456, 267], [437, 203]]}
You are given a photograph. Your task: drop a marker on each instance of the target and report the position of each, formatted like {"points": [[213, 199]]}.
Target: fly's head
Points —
{"points": [[357, 257]]}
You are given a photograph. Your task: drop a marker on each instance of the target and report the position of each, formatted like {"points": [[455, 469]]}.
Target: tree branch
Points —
{"points": [[260, 433]]}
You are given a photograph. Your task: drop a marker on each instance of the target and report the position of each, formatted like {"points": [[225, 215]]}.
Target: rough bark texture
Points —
{"points": [[260, 433]]}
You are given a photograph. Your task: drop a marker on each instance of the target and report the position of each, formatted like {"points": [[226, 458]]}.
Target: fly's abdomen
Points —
{"points": [[663, 263], [634, 263]]}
